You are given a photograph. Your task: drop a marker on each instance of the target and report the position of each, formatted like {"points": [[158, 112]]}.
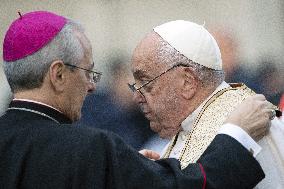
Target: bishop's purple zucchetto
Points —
{"points": [[29, 33]]}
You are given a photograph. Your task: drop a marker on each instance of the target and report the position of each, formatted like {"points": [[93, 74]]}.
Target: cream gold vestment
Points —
{"points": [[209, 120]]}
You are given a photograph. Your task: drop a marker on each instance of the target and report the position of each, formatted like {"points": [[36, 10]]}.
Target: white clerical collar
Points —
{"points": [[37, 102], [188, 122]]}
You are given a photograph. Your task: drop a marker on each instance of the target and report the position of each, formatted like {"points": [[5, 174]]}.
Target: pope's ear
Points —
{"points": [[190, 83], [57, 75]]}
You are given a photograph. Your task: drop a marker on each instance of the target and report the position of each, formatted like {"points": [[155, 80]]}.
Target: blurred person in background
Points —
{"points": [[235, 71], [229, 50], [265, 79], [268, 80]]}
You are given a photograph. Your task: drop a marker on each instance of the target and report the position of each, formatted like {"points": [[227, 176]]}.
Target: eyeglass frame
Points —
{"points": [[96, 76], [134, 89]]}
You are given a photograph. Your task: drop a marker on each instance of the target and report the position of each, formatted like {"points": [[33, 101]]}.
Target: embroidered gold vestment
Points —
{"points": [[209, 121]]}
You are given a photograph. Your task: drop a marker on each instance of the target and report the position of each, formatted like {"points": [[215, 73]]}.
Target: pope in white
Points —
{"points": [[188, 99]]}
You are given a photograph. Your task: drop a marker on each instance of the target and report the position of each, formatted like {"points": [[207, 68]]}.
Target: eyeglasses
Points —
{"points": [[93, 75], [133, 88]]}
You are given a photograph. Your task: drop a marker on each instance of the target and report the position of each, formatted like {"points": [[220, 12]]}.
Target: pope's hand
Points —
{"points": [[254, 116], [150, 154]]}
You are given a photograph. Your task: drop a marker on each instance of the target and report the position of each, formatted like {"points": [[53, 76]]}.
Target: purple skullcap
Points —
{"points": [[30, 33]]}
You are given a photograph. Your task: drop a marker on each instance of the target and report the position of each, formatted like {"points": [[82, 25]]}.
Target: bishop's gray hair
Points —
{"points": [[29, 72], [207, 76]]}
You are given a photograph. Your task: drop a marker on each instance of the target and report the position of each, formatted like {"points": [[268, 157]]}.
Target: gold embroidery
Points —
{"points": [[208, 122]]}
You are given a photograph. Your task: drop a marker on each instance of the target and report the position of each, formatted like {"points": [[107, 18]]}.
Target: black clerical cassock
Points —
{"points": [[39, 148]]}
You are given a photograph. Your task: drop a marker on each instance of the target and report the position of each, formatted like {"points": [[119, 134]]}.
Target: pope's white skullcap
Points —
{"points": [[193, 41]]}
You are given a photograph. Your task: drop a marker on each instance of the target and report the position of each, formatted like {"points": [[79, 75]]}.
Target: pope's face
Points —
{"points": [[160, 99]]}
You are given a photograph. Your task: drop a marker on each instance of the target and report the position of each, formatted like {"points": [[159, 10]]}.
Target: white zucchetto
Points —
{"points": [[193, 41]]}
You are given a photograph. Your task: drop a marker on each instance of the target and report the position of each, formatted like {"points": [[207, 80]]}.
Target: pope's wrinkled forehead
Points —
{"points": [[145, 56]]}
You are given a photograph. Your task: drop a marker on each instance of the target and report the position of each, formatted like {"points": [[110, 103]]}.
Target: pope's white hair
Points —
{"points": [[207, 76], [29, 72]]}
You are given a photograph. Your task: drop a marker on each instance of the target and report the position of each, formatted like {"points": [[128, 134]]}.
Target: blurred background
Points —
{"points": [[249, 33]]}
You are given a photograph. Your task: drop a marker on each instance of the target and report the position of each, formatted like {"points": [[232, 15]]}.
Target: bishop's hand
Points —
{"points": [[150, 154], [254, 116]]}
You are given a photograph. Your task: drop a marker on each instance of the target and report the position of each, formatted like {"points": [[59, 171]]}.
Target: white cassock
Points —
{"points": [[271, 157]]}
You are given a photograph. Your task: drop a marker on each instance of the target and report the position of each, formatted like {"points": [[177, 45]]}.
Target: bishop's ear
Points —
{"points": [[190, 83], [57, 75]]}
